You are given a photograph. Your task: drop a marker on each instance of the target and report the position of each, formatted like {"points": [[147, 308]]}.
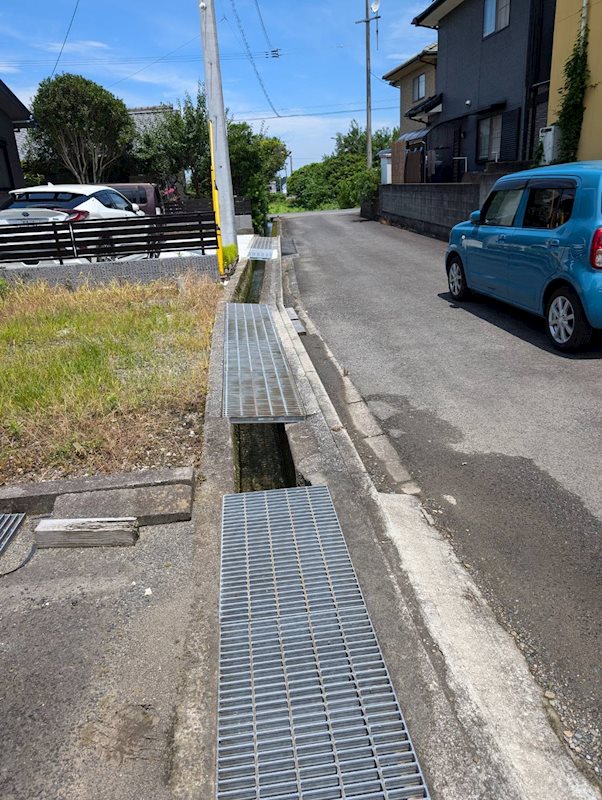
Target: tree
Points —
{"points": [[82, 127], [355, 140], [179, 141]]}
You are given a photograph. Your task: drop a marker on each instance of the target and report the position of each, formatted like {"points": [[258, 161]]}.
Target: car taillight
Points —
{"points": [[595, 258], [78, 216]]}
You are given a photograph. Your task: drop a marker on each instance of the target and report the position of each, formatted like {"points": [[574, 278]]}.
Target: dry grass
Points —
{"points": [[102, 378]]}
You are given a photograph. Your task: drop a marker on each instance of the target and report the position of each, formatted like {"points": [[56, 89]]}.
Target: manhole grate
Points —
{"points": [[263, 248], [306, 705], [258, 382], [9, 525]]}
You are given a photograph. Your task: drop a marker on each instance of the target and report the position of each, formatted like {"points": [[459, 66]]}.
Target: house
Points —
{"points": [[492, 81], [567, 26], [13, 116], [416, 81]]}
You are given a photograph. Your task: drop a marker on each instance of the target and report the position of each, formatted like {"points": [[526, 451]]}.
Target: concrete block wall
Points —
{"points": [[429, 208], [143, 271]]}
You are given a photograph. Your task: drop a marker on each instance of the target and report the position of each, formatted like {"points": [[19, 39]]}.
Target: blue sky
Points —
{"points": [[321, 69]]}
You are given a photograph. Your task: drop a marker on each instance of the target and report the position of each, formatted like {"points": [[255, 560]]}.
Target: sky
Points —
{"points": [[149, 52]]}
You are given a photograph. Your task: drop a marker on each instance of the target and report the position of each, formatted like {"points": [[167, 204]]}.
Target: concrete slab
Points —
{"points": [[151, 505], [39, 497]]}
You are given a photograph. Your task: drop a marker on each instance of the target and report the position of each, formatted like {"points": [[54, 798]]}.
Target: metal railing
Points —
{"points": [[110, 238]]}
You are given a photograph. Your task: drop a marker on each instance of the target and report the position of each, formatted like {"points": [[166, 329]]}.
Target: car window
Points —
{"points": [[43, 199], [549, 207], [105, 198], [501, 207], [120, 202], [135, 194]]}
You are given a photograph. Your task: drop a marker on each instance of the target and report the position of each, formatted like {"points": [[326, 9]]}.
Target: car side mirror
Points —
{"points": [[475, 217], [135, 207]]}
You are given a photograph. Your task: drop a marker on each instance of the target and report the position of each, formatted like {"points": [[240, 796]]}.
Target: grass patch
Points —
{"points": [[279, 206], [102, 378]]}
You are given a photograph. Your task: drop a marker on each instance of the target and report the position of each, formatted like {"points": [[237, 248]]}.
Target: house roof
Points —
{"points": [[148, 116], [424, 106], [13, 107], [426, 56], [438, 9]]}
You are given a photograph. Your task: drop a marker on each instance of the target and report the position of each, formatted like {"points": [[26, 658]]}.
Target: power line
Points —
{"points": [[44, 62], [265, 32], [252, 60], [156, 61], [320, 113], [58, 58]]}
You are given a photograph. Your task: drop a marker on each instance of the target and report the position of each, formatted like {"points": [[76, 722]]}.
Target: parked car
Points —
{"points": [[145, 195], [70, 202], [537, 244]]}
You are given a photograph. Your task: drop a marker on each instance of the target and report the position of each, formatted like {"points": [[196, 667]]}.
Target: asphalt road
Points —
{"points": [[502, 433]]}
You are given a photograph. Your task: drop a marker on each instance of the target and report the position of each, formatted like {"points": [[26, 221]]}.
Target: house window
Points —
{"points": [[490, 138], [496, 15], [6, 178], [419, 87]]}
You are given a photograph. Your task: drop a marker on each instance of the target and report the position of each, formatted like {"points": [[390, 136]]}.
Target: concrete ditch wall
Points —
{"points": [[143, 271]]}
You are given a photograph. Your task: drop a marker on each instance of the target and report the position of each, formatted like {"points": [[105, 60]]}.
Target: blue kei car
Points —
{"points": [[537, 244]]}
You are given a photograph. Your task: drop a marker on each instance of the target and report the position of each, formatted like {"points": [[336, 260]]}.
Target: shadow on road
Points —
{"points": [[521, 324]]}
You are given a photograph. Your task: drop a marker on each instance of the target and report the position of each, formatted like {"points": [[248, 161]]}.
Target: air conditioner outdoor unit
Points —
{"points": [[550, 138]]}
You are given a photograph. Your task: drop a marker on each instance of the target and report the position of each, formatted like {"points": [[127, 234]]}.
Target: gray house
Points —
{"points": [[493, 72], [13, 116]]}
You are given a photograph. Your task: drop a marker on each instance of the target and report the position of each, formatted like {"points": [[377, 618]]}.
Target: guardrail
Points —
{"points": [[111, 238]]}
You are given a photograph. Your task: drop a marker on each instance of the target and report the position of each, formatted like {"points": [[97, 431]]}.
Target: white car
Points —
{"points": [[65, 203]]}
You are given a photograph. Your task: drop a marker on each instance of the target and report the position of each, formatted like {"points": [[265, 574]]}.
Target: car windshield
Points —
{"points": [[44, 199]]}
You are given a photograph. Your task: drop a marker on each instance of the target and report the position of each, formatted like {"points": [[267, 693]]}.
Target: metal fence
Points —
{"points": [[111, 238]]}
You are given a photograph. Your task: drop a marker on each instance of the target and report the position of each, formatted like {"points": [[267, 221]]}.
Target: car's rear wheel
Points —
{"points": [[566, 323], [456, 279]]}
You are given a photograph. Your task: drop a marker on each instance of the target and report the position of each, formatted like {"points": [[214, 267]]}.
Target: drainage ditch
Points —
{"points": [[262, 456]]}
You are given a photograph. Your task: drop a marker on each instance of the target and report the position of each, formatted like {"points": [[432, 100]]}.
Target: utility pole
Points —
{"points": [[368, 90], [217, 116], [368, 19]]}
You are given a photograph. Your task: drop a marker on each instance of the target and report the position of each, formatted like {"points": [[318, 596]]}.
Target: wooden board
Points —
{"points": [[93, 532]]}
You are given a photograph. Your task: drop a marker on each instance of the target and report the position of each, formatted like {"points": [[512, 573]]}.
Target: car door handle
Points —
{"points": [[553, 242], [501, 237]]}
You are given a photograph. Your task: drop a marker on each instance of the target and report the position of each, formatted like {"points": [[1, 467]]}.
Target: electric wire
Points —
{"points": [[58, 58], [265, 31], [315, 114], [156, 61], [252, 60]]}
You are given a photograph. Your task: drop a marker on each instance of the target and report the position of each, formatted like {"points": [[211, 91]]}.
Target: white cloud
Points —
{"points": [[80, 47], [5, 69]]}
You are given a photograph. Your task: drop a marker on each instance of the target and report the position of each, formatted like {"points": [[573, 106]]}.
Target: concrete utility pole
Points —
{"points": [[368, 90], [217, 115]]}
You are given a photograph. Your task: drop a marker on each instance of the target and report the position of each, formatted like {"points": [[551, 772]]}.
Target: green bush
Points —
{"points": [[3, 287], [361, 186]]}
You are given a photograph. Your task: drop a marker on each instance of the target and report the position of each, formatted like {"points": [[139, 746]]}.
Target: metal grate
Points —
{"points": [[263, 248], [9, 525], [306, 705], [258, 382]]}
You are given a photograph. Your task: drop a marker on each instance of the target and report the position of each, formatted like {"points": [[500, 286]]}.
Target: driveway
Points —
{"points": [[501, 432]]}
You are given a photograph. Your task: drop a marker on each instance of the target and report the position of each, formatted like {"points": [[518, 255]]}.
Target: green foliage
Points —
{"points": [[342, 179], [570, 116], [3, 288], [179, 141], [355, 141], [83, 128], [538, 155], [230, 255], [363, 185]]}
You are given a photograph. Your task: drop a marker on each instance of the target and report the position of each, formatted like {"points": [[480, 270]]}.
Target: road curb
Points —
{"points": [[192, 773]]}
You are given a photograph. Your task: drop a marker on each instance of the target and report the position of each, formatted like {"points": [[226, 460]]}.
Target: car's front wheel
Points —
{"points": [[566, 323], [456, 279]]}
